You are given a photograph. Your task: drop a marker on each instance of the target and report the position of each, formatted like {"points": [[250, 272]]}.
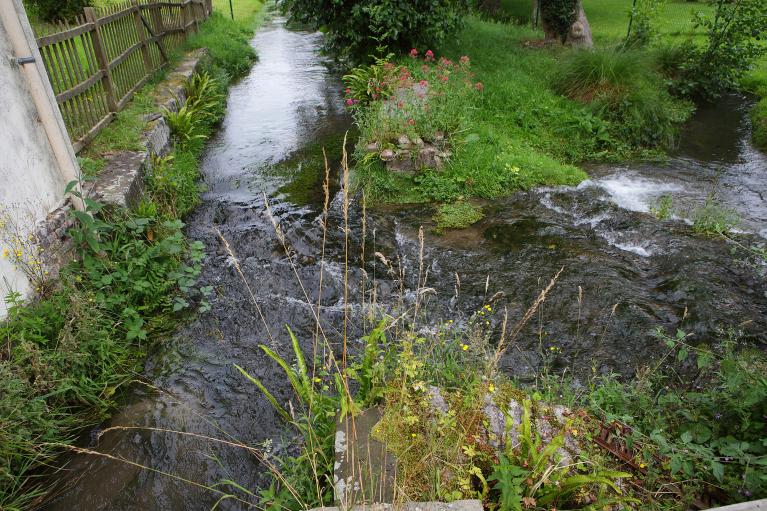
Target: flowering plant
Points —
{"points": [[422, 98]]}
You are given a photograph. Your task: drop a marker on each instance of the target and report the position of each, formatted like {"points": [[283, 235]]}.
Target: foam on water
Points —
{"points": [[631, 191]]}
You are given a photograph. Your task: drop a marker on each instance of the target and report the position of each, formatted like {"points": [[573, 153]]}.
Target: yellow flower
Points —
{"points": [[491, 388], [5, 253], [642, 465], [413, 435], [465, 347], [574, 432]]}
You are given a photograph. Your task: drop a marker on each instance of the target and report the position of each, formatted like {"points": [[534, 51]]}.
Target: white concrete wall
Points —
{"points": [[35, 164]]}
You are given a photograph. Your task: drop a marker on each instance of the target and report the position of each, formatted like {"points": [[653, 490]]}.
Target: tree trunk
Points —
{"points": [[579, 35]]}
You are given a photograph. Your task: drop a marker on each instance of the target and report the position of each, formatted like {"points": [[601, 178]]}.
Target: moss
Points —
{"points": [[458, 215]]}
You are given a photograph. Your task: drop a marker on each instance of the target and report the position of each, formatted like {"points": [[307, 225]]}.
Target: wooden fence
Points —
{"points": [[97, 65]]}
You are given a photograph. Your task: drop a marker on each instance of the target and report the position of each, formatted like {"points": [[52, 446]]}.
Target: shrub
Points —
{"points": [[643, 14], [623, 88], [705, 414], [54, 10], [355, 28], [735, 37]]}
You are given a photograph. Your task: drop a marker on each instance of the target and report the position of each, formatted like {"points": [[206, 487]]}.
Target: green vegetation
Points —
{"points": [[714, 219], [66, 355], [355, 28], [620, 87], [693, 429], [457, 215], [701, 420]]}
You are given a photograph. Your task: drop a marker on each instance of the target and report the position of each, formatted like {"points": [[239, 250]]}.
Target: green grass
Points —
{"points": [[522, 131]]}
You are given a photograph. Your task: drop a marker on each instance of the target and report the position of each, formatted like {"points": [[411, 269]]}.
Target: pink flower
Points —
{"points": [[444, 78], [414, 53], [464, 60], [411, 122], [479, 86], [348, 91], [423, 83], [349, 102], [429, 55]]}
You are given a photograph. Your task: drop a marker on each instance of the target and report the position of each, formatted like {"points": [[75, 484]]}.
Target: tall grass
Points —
{"points": [[624, 88]]}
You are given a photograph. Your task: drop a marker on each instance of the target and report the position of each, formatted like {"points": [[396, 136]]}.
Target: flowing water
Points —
{"points": [[625, 274]]}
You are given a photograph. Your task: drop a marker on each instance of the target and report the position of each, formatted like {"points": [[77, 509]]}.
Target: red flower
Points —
{"points": [[349, 102], [424, 83], [479, 86], [348, 91], [444, 78], [464, 60], [414, 53], [429, 55], [411, 122]]}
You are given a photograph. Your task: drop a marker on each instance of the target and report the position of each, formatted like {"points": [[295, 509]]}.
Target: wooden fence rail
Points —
{"points": [[96, 66]]}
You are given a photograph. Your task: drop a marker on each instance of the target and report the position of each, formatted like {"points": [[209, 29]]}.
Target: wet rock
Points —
{"points": [[402, 162], [429, 157]]}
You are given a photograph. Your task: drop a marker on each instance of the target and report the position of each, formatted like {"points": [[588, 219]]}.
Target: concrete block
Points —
{"points": [[458, 505], [364, 472], [120, 183]]}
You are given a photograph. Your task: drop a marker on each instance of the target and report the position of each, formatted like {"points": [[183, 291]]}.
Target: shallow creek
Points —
{"points": [[635, 273]]}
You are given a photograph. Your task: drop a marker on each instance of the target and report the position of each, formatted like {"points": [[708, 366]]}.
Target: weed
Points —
{"points": [[713, 218], [663, 209]]}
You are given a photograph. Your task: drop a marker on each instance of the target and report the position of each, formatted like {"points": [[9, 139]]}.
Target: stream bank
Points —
{"points": [[634, 274]]}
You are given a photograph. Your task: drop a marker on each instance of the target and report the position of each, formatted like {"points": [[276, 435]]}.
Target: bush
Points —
{"points": [[54, 10], [734, 41], [355, 28], [623, 88]]}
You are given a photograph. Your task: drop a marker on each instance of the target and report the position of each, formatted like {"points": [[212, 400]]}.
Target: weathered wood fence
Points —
{"points": [[97, 65]]}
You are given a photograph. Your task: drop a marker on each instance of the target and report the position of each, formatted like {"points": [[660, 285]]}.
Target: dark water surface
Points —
{"points": [[635, 273]]}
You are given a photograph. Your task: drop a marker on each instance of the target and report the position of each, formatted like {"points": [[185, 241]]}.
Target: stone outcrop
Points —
{"points": [[408, 156]]}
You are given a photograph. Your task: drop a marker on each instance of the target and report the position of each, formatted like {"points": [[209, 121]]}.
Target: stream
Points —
{"points": [[625, 274]]}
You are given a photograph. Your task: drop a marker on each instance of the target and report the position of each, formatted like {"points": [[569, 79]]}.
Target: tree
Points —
{"points": [[564, 21]]}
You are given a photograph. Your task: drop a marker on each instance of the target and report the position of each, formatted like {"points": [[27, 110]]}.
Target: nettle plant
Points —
{"points": [[136, 267], [423, 99]]}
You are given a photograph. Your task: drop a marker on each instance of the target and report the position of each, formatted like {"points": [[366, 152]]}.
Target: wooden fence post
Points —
{"points": [[185, 16], [159, 29], [101, 59], [193, 6], [141, 32]]}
